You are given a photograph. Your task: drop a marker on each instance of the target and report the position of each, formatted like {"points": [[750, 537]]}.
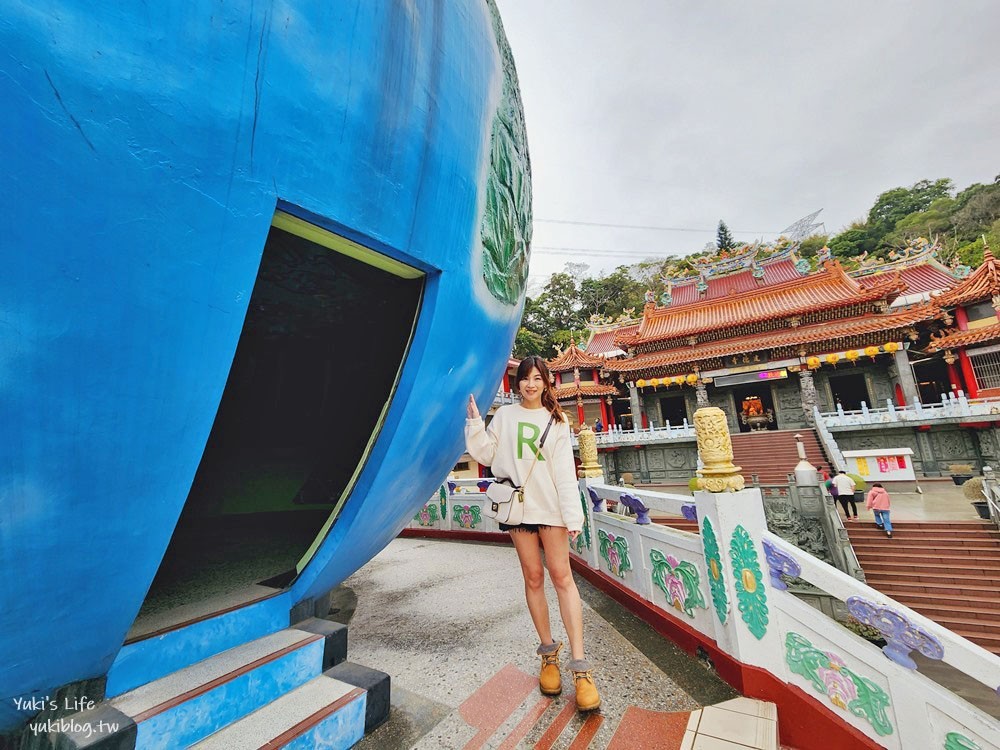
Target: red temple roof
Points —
{"points": [[602, 343], [686, 293], [860, 325], [982, 284], [829, 288], [958, 339], [572, 358], [925, 277], [572, 390]]}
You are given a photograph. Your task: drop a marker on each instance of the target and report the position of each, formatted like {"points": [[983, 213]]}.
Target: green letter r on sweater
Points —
{"points": [[527, 434]]}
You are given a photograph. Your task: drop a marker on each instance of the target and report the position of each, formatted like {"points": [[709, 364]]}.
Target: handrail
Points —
{"points": [[966, 656], [829, 443]]}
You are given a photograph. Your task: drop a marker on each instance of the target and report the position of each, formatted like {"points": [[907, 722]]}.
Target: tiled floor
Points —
{"points": [[737, 724]]}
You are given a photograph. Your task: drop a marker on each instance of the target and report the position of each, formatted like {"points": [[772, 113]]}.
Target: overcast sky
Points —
{"points": [[678, 114]]}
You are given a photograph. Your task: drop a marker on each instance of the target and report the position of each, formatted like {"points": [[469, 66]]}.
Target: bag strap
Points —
{"points": [[541, 443]]}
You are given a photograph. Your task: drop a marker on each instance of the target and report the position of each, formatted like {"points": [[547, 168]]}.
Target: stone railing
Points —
{"points": [[829, 443], [952, 406], [616, 436], [505, 397]]}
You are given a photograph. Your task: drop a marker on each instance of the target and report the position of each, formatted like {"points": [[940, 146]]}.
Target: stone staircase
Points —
{"points": [[771, 454], [289, 688], [949, 571]]}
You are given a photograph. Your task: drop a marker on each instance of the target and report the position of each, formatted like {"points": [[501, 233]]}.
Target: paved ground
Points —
{"points": [[447, 621], [939, 500]]}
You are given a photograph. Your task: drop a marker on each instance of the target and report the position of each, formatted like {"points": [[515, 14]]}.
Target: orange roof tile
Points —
{"points": [[982, 284], [572, 390], [572, 358], [805, 335], [955, 339], [829, 288]]}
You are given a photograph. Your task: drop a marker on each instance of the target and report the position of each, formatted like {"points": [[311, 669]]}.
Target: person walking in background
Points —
{"points": [[845, 488], [878, 503], [598, 425]]}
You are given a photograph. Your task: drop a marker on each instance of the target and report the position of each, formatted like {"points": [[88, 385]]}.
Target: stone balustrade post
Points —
{"points": [[731, 521]]}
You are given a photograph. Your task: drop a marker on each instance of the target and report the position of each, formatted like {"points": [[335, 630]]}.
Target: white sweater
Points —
{"points": [[508, 445]]}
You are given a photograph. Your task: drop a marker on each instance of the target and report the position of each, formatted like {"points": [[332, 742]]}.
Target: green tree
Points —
{"points": [[723, 238], [936, 220], [810, 246], [527, 343], [893, 205], [855, 240], [611, 293], [980, 209]]}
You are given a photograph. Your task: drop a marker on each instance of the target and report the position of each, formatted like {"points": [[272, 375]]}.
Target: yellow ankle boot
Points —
{"points": [[550, 679], [587, 697]]}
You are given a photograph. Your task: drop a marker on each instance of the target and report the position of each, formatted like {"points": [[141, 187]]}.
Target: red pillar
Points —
{"points": [[971, 386], [955, 377], [604, 415], [506, 381], [579, 412], [962, 318]]}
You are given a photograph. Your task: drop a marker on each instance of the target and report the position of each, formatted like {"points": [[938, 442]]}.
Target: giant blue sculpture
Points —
{"points": [[163, 166]]}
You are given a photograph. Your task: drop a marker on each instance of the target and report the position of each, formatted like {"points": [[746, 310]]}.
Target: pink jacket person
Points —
{"points": [[878, 499]]}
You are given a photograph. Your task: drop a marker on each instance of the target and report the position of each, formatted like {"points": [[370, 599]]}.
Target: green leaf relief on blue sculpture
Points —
{"points": [[506, 227]]}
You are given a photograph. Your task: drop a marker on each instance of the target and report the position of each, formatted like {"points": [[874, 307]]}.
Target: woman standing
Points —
{"points": [[552, 513], [878, 503]]}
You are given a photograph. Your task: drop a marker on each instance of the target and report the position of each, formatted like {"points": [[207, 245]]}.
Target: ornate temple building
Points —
{"points": [[974, 341], [768, 340], [579, 388]]}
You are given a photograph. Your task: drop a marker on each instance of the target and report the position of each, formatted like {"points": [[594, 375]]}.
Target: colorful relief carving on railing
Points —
{"points": [[749, 582], [582, 541], [466, 516], [713, 561], [679, 581], [690, 511], [428, 515], [614, 551], [595, 499], [831, 676], [443, 500], [958, 741], [780, 563], [901, 635]]}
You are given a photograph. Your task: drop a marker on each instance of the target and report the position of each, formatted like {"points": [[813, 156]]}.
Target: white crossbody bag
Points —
{"points": [[505, 500]]}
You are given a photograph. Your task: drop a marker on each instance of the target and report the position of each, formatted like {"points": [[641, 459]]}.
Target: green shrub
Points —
{"points": [[860, 485], [693, 484], [865, 631]]}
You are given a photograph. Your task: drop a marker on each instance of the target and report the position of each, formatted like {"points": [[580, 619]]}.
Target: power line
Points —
{"points": [[594, 252], [643, 226]]}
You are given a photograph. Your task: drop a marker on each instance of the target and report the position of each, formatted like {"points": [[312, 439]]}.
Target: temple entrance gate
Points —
{"points": [[850, 390], [755, 407]]}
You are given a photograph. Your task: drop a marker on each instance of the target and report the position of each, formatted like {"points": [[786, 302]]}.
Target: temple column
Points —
{"points": [[579, 411], [906, 380], [633, 397], [604, 414], [701, 394], [610, 411], [807, 387], [971, 386]]}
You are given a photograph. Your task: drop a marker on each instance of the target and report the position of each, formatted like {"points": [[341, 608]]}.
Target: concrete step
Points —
{"points": [[968, 578], [931, 559], [899, 587], [187, 705], [958, 554], [953, 546], [966, 613], [323, 712], [922, 600]]}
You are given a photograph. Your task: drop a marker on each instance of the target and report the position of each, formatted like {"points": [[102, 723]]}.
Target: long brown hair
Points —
{"points": [[549, 400]]}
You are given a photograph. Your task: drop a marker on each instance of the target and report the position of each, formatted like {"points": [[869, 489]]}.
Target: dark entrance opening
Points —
{"points": [[849, 391], [754, 407], [673, 410], [932, 380], [325, 335]]}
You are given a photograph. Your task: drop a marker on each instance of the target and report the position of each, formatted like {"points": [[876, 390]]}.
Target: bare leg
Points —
{"points": [[555, 540], [530, 557]]}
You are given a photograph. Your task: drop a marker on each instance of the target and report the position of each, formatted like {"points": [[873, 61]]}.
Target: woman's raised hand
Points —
{"points": [[472, 410]]}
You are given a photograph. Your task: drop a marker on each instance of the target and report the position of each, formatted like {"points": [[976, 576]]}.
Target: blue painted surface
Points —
{"points": [[146, 147], [338, 731], [194, 720], [150, 659]]}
